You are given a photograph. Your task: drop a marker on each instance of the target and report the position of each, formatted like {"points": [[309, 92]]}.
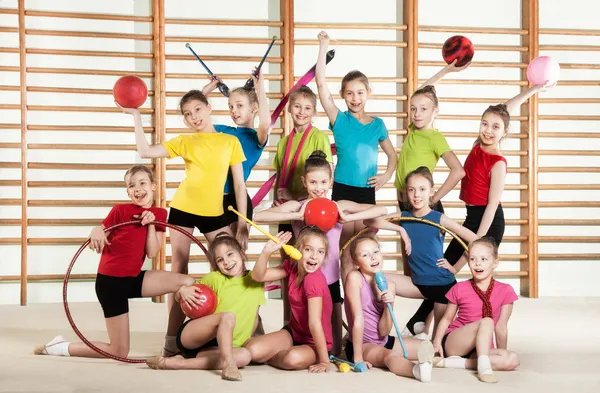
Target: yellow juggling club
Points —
{"points": [[290, 250]]}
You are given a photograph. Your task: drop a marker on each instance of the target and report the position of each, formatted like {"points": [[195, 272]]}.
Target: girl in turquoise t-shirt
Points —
{"points": [[358, 137]]}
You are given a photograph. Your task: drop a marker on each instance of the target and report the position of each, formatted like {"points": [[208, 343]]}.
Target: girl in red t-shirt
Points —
{"points": [[306, 340], [484, 307], [120, 276]]}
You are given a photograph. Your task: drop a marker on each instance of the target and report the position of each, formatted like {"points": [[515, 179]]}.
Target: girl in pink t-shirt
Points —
{"points": [[370, 323], [484, 306], [305, 341], [318, 179]]}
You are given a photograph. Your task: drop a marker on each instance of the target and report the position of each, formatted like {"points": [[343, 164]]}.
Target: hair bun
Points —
{"points": [[318, 154]]}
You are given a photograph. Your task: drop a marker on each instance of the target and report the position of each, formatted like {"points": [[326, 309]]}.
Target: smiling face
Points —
{"points": [[240, 109], [419, 191], [482, 261], [356, 94], [229, 261], [196, 115], [140, 189], [368, 257], [491, 129], [302, 110], [422, 112], [313, 250], [317, 182]]}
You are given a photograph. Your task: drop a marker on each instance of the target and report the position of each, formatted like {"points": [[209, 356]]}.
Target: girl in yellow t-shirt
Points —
{"points": [[215, 341], [198, 201]]}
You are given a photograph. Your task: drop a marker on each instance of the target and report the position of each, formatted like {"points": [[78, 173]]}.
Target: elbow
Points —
{"points": [[460, 173], [143, 154], [315, 326], [257, 277]]}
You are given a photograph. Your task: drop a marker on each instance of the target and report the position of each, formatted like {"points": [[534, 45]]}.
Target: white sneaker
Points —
{"points": [[406, 332], [425, 356], [422, 336], [419, 327], [43, 349]]}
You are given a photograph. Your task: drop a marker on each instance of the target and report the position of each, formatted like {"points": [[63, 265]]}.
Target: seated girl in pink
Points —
{"points": [[305, 341], [318, 179], [484, 306]]}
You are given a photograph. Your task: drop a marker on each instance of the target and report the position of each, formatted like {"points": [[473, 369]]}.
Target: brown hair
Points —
{"points": [[224, 238], [355, 75], [359, 239], [487, 241], [420, 171], [429, 92], [249, 93], [139, 168], [317, 160], [191, 96], [306, 92], [304, 234], [500, 110]]}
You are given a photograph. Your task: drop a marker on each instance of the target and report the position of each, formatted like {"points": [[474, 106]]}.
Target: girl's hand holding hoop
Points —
{"points": [[98, 240]]}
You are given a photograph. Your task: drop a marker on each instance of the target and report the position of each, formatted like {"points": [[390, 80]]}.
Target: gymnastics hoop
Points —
{"points": [[415, 219], [68, 275]]}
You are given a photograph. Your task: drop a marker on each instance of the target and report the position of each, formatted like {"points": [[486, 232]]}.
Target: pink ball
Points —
{"points": [[543, 69]]}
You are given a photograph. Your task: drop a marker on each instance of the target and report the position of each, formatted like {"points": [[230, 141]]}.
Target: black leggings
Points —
{"points": [[455, 251]]}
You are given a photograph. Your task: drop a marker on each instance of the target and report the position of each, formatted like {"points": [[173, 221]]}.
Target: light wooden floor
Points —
{"points": [[558, 340]]}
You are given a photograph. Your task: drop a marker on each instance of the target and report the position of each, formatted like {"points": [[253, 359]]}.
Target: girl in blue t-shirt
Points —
{"points": [[430, 278], [357, 139], [244, 104]]}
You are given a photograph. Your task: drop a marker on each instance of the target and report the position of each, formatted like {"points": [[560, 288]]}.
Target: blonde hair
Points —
{"points": [[360, 239], [139, 168]]}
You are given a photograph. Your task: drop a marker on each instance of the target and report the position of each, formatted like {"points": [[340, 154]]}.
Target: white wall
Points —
{"points": [[556, 277]]}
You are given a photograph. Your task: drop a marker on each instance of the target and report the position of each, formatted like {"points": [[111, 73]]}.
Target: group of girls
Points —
{"points": [[218, 160]]}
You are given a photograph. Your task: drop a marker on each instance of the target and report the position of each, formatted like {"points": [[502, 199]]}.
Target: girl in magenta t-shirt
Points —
{"points": [[318, 179], [306, 340], [484, 306], [370, 323]]}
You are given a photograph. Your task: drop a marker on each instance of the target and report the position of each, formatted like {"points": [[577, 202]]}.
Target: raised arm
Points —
{"points": [[324, 94], [264, 115], [501, 328], [457, 172], [514, 103], [261, 272], [351, 211], [290, 210], [144, 149], [443, 72]]}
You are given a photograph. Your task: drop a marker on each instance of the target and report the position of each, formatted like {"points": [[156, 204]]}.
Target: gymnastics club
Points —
{"points": [[382, 285], [290, 250], [357, 367], [250, 82], [221, 86]]}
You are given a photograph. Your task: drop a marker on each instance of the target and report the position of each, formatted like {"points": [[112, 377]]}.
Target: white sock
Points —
{"points": [[419, 327], [484, 366], [455, 362], [422, 370], [59, 346]]}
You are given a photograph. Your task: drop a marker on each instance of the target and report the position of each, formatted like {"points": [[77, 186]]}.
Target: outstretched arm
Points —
{"points": [[290, 210], [443, 72], [324, 94], [514, 103], [351, 211]]}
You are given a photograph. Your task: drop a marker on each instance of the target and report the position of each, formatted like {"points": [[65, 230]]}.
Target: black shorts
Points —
{"points": [[192, 353], [472, 222], [336, 292], [435, 293], [230, 217], [188, 220], [350, 347], [354, 194], [405, 206], [468, 355], [114, 293], [289, 330]]}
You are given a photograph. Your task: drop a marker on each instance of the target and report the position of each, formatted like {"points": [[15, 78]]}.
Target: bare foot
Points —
{"points": [[231, 373]]}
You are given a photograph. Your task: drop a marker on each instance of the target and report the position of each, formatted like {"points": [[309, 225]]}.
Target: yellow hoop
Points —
{"points": [[416, 219]]}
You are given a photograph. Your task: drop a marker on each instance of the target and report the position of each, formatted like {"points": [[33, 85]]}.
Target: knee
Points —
{"points": [[486, 323], [253, 349], [293, 360], [243, 357], [120, 351], [512, 361]]}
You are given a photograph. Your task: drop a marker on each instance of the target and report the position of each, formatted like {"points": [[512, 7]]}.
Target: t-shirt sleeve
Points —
{"points": [[114, 216], [174, 146], [314, 285], [340, 122], [452, 295], [510, 295], [213, 280], [440, 145], [383, 131], [237, 154], [223, 128], [161, 215], [324, 145]]}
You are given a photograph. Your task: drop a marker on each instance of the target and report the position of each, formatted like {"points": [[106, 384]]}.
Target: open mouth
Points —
{"points": [[312, 264], [197, 123], [375, 264], [478, 270], [229, 268], [139, 197]]}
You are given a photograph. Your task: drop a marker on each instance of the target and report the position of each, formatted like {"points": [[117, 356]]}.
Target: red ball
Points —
{"points": [[130, 91], [208, 303], [321, 212], [458, 47]]}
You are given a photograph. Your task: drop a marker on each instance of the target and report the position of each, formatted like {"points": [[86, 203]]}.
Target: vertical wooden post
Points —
{"points": [[23, 85], [411, 66], [287, 34], [529, 284], [158, 46]]}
